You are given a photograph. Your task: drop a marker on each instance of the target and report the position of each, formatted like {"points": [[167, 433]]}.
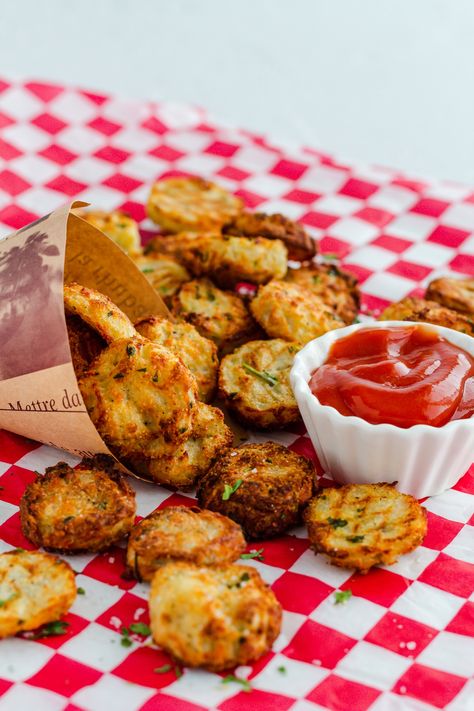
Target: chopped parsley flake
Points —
{"points": [[337, 522], [81, 591], [140, 628], [342, 596], [131, 350], [282, 670], [52, 629], [231, 679], [163, 670], [355, 539], [229, 490], [262, 374], [253, 554]]}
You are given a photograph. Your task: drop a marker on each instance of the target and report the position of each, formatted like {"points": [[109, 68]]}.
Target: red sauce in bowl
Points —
{"points": [[397, 375]]}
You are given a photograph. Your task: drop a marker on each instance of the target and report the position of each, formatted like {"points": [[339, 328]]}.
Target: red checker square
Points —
{"points": [[98, 99], [441, 531], [358, 188], [5, 120], [72, 707], [175, 173], [125, 609], [360, 272], [466, 483], [112, 155], [317, 643], [289, 169], [401, 635], [463, 622], [205, 128], [432, 686], [16, 217], [4, 686], [155, 125], [375, 216], [134, 209], [109, 568], [220, 148], [14, 482], [13, 447], [251, 200], [65, 185], [261, 700], [10, 532], [429, 206], [3, 85], [300, 593], [463, 263], [318, 219], [372, 305], [454, 576], [45, 92], [393, 244], [341, 694], [102, 125], [76, 625], [64, 676], [282, 551], [139, 665], [232, 173], [302, 196], [166, 153], [380, 586], [417, 186], [58, 154], [122, 182], [49, 124], [7, 151], [409, 270], [305, 447], [12, 183], [334, 247], [163, 702], [448, 236]]}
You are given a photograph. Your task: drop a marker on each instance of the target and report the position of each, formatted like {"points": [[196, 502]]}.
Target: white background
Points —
{"points": [[385, 81]]}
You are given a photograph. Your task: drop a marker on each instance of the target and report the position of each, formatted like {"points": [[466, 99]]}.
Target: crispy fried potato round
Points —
{"points": [[362, 525], [213, 617], [218, 315], [175, 245], [137, 392], [182, 533], [84, 342], [229, 260], [299, 244], [292, 312], [263, 487], [209, 438], [335, 287], [165, 274], [75, 510], [35, 588], [120, 228], [254, 382], [195, 204], [98, 312], [419, 310], [457, 294], [199, 354]]}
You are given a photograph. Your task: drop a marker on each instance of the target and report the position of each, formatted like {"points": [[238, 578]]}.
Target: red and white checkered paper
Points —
{"points": [[404, 639]]}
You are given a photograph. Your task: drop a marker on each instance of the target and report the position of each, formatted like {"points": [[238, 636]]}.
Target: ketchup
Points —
{"points": [[398, 375]]}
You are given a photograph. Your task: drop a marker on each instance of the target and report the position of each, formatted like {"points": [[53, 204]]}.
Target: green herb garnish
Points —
{"points": [[163, 670], [341, 596], [229, 490], [52, 629], [282, 670], [8, 599], [119, 376], [81, 591], [253, 554], [231, 679], [337, 522], [140, 628], [125, 641], [262, 374], [354, 539], [330, 255]]}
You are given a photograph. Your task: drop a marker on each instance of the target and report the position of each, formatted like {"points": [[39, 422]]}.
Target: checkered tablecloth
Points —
{"points": [[404, 638]]}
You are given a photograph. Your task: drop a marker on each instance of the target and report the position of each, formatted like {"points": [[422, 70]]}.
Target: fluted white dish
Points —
{"points": [[423, 459]]}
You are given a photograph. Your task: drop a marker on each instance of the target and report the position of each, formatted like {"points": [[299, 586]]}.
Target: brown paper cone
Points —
{"points": [[39, 393]]}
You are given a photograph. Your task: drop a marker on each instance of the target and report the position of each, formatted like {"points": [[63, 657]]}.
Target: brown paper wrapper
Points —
{"points": [[39, 393]]}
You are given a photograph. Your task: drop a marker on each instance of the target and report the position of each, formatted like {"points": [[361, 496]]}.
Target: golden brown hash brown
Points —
{"points": [[263, 487], [182, 533], [292, 312], [218, 315], [420, 310], [214, 617], [335, 287], [165, 273], [457, 294], [198, 354], [97, 311], [362, 525], [299, 244], [152, 393], [35, 588], [84, 342], [209, 438], [84, 509], [255, 385], [177, 204], [120, 228]]}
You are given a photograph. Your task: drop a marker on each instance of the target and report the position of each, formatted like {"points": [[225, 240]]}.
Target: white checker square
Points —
{"points": [[317, 566], [460, 215], [464, 701], [88, 169], [303, 705], [462, 547], [355, 618], [323, 180], [124, 110], [26, 137], [449, 192], [96, 646], [388, 286], [72, 108], [270, 573], [133, 140], [178, 116], [372, 257], [290, 624], [98, 597], [253, 159], [148, 496], [203, 164], [144, 167], [7, 511], [428, 605], [453, 505], [81, 139], [201, 687], [4, 467], [20, 659], [412, 226], [141, 194], [290, 209], [101, 197], [271, 186], [34, 169], [451, 653], [393, 198], [41, 200], [395, 702], [125, 695], [186, 141], [353, 230], [372, 665], [20, 104], [42, 457], [284, 438], [340, 205], [79, 561], [298, 679], [413, 564], [429, 254], [372, 173], [467, 247], [23, 696]]}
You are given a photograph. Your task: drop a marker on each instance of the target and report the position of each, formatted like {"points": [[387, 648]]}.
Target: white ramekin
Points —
{"points": [[424, 460]]}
